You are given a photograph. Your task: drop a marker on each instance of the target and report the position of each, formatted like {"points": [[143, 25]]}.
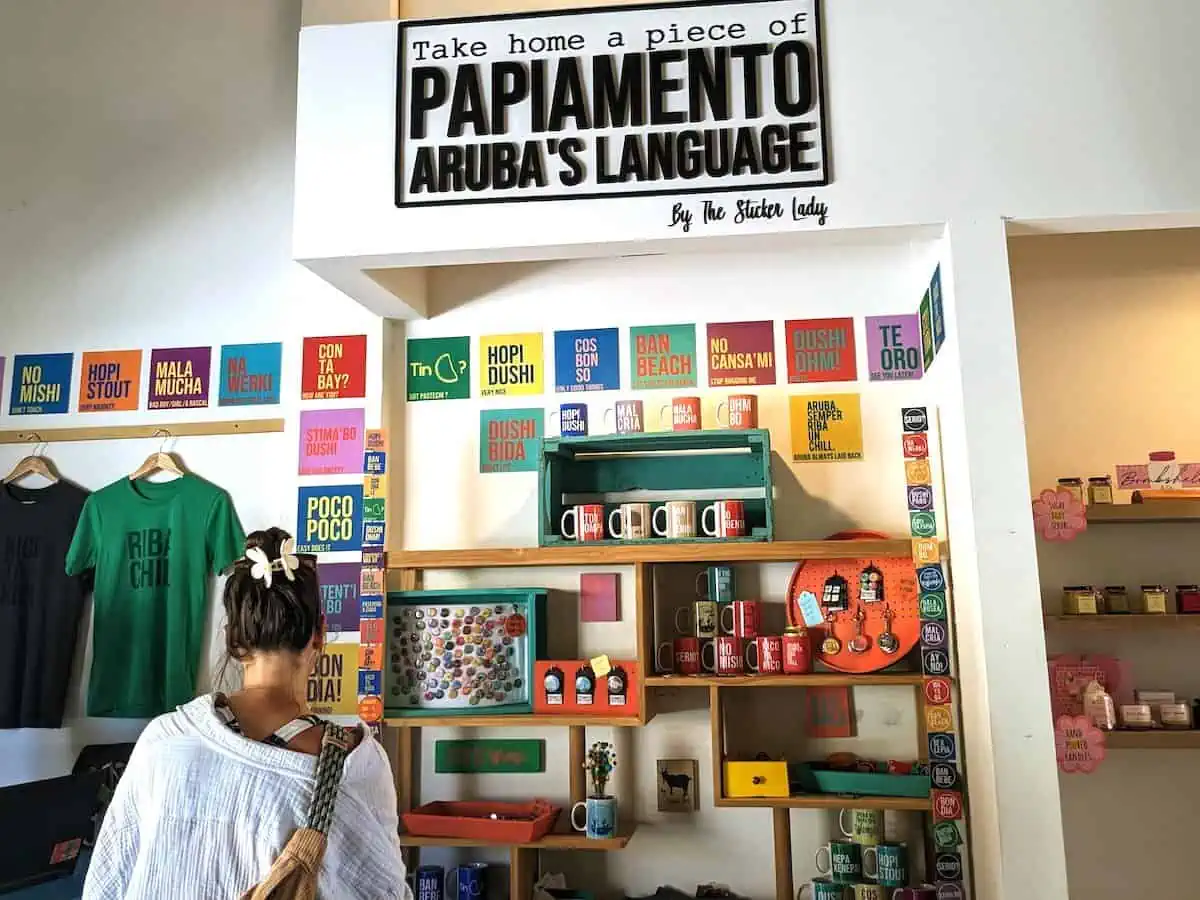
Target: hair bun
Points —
{"points": [[269, 541]]}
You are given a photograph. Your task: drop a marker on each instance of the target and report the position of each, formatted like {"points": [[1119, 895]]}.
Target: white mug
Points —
{"points": [[679, 519], [630, 522]]}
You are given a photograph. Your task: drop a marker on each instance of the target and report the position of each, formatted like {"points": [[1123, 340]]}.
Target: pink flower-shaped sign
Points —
{"points": [[1058, 515], [1078, 744]]}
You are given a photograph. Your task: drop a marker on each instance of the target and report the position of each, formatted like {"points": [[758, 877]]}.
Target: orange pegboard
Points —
{"points": [[901, 598], [568, 702]]}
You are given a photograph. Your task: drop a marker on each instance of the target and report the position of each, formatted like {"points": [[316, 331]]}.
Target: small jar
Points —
{"points": [[1175, 715], [1154, 599], [1116, 599], [1074, 485], [1187, 598], [1080, 600], [1163, 470], [1136, 716], [1100, 490]]}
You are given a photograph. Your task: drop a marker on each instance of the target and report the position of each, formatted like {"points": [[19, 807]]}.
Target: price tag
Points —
{"points": [[810, 610], [601, 665]]}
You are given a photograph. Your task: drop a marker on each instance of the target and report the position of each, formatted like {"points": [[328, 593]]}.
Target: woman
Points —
{"points": [[214, 790]]}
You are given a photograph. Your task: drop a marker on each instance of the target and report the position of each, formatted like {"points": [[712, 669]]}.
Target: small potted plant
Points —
{"points": [[600, 809]]}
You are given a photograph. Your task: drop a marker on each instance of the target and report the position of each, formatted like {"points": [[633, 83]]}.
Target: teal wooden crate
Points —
{"points": [[678, 465], [809, 779], [429, 671]]}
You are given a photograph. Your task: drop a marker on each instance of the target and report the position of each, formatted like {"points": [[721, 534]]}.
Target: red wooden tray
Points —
{"points": [[524, 822]]}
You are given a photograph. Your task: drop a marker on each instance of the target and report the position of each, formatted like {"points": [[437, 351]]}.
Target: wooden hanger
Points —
{"points": [[159, 461], [34, 464]]}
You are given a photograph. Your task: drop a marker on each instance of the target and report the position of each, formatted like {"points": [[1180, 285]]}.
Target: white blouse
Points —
{"points": [[202, 812]]}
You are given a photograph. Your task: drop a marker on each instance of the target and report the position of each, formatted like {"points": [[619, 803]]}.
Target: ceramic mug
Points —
{"points": [[599, 819], [684, 413], [870, 892], [679, 519], [469, 881], [768, 654], [687, 655], [572, 419], [866, 825], [823, 889], [700, 619], [729, 519], [745, 618], [588, 522], [916, 892], [630, 522], [628, 415], [741, 412], [890, 864], [716, 583], [732, 655], [843, 861]]}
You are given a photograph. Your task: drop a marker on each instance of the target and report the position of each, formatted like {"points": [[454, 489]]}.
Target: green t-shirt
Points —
{"points": [[154, 547]]}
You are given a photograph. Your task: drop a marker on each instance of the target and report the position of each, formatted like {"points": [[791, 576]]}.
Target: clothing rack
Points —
{"points": [[131, 432]]}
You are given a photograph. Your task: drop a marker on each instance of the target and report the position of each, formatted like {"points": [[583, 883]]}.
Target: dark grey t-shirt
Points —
{"points": [[40, 605]]}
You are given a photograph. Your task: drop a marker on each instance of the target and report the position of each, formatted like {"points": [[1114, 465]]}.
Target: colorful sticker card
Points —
{"points": [[826, 428], [331, 441], [741, 354], [41, 384], [110, 382], [510, 365], [3, 360], [333, 687], [662, 356], [937, 310], [894, 348], [927, 348], [339, 594], [820, 350], [329, 518], [587, 360], [179, 378], [334, 368], [438, 368], [509, 439], [249, 374]]}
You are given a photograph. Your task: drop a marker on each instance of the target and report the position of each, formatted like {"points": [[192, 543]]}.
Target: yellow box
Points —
{"points": [[756, 779]]}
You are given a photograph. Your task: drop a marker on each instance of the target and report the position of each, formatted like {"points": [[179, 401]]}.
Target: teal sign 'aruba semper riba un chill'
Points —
{"points": [[664, 99]]}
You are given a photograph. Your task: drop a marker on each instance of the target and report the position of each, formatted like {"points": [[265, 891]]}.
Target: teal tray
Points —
{"points": [[678, 465], [805, 779]]}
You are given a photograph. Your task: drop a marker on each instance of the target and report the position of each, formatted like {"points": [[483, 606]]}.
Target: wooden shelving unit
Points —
{"points": [[1131, 622], [1158, 739], [514, 721], [1153, 511], [818, 679], [829, 801], [560, 840]]}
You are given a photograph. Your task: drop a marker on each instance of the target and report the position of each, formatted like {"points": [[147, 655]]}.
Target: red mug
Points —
{"points": [[741, 412], [918, 892], [685, 414], [768, 654], [744, 618], [588, 522], [797, 653], [729, 519], [686, 654], [731, 655]]}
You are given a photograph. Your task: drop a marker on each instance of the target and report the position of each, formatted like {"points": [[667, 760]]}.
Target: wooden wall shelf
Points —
{"points": [[1132, 622], [1159, 739], [1152, 511], [817, 679], [829, 801], [628, 554], [573, 840], [514, 721], [164, 430]]}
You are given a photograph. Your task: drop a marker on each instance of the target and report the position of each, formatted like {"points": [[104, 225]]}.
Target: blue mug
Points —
{"points": [[572, 419], [429, 883], [469, 881], [600, 817]]}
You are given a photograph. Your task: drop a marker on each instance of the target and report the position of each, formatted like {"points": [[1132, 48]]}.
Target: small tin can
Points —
{"points": [[1100, 490], [1116, 598], [1187, 598], [1175, 715], [797, 651], [1074, 485], [1154, 599], [1080, 600], [1136, 715]]}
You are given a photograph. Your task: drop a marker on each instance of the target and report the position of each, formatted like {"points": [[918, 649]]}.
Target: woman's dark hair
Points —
{"points": [[284, 616]]}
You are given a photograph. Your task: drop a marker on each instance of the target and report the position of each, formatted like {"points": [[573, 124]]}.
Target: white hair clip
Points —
{"points": [[287, 563]]}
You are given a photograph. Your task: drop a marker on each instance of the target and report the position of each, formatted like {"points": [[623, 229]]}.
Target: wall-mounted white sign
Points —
{"points": [[616, 102]]}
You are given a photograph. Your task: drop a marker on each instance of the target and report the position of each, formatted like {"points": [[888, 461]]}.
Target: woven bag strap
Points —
{"points": [[335, 745]]}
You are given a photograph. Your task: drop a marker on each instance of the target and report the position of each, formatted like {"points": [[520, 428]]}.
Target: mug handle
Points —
{"points": [[666, 408], [613, 529], [665, 645], [752, 666], [816, 859], [452, 891], [661, 532], [702, 592], [842, 822], [711, 666], [581, 804], [866, 854], [563, 524], [724, 404], [553, 413], [686, 612], [711, 532]]}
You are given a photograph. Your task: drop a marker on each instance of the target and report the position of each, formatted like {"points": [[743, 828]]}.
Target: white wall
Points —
{"points": [[146, 202], [448, 504], [1107, 326]]}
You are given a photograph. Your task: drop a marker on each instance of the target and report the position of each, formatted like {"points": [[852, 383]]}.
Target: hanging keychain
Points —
{"points": [[860, 643], [887, 641], [831, 646], [870, 585]]}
